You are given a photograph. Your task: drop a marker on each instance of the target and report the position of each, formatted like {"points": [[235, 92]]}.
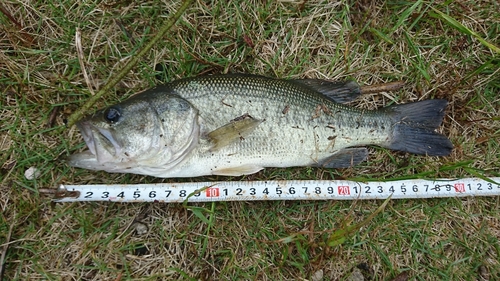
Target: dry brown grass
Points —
{"points": [[439, 239]]}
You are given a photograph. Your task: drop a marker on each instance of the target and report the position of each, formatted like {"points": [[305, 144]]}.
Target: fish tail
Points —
{"points": [[414, 128]]}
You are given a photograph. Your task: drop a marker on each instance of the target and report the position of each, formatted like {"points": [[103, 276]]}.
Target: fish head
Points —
{"points": [[146, 132]]}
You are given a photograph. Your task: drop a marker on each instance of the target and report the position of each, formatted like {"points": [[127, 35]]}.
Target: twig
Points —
{"points": [[132, 62], [125, 31], [403, 276], [52, 117], [4, 251], [81, 60], [27, 37], [384, 87]]}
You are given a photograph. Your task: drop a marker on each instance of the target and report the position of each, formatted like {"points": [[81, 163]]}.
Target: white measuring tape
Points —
{"points": [[278, 190]]}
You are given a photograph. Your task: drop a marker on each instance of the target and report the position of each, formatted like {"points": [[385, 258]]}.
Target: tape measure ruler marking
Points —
{"points": [[278, 190]]}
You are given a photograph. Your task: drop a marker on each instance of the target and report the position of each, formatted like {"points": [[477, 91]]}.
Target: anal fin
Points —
{"points": [[345, 158]]}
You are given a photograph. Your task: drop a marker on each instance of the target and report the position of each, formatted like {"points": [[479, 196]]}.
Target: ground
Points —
{"points": [[441, 49]]}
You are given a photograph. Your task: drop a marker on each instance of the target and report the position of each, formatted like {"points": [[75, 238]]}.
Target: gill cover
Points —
{"points": [[148, 133]]}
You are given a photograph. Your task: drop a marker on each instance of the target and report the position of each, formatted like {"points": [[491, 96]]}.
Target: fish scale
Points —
{"points": [[300, 116]]}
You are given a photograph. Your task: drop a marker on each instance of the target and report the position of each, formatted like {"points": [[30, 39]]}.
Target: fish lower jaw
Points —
{"points": [[84, 160]]}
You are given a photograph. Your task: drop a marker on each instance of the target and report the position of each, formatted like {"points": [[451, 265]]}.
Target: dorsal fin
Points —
{"points": [[338, 91]]}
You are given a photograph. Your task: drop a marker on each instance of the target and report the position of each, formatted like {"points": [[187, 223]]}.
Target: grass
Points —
{"points": [[441, 49]]}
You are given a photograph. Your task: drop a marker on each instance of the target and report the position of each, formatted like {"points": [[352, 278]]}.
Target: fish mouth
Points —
{"points": [[100, 142], [86, 132]]}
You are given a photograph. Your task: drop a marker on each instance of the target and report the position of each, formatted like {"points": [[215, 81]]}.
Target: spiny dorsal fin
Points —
{"points": [[236, 130], [339, 91]]}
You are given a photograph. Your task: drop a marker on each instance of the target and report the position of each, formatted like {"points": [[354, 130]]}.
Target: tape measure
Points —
{"points": [[278, 190]]}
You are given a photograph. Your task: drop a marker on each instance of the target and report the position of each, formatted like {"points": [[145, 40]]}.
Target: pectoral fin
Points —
{"points": [[234, 131], [345, 158]]}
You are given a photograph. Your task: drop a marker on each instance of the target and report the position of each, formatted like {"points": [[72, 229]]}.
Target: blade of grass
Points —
{"points": [[406, 13], [381, 35], [340, 236], [475, 173], [462, 28], [4, 251], [418, 63], [490, 64], [197, 211]]}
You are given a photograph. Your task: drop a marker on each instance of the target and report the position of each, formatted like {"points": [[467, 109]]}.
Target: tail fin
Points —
{"points": [[414, 126]]}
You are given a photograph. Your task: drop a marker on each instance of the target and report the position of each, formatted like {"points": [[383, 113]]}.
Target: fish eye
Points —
{"points": [[112, 114]]}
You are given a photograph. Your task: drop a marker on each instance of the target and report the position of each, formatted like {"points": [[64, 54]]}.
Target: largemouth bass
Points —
{"points": [[239, 124]]}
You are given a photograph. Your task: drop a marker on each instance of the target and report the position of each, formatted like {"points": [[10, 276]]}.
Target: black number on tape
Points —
{"points": [[137, 194]]}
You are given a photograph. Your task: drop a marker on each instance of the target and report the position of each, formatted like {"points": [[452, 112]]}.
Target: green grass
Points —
{"points": [[442, 50]]}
